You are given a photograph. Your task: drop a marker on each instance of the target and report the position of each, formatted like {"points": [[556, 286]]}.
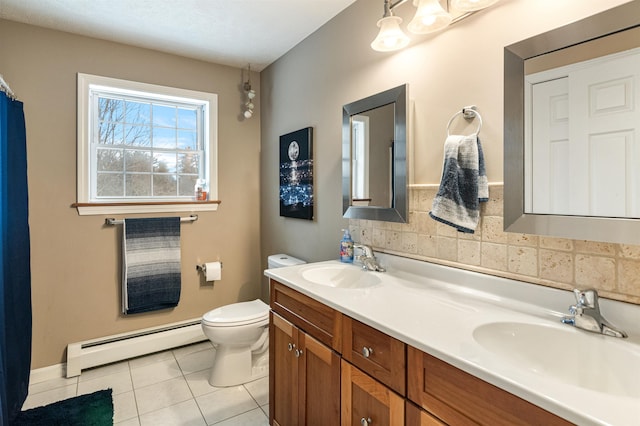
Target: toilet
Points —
{"points": [[240, 334]]}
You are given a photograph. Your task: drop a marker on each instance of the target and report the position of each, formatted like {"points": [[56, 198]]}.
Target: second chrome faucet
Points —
{"points": [[586, 314]]}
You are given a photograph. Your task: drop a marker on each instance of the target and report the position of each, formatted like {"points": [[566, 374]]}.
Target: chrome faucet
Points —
{"points": [[586, 314], [368, 259]]}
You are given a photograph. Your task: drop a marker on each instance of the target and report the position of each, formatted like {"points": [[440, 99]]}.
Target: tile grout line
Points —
{"points": [[133, 391], [189, 387]]}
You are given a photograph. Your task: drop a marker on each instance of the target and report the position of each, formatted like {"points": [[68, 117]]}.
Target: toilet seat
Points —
{"points": [[241, 313]]}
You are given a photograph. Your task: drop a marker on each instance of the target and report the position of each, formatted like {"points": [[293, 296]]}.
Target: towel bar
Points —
{"points": [[112, 221]]}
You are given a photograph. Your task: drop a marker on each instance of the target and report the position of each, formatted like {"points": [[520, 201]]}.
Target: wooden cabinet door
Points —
{"points": [[283, 372], [304, 378], [319, 383], [366, 401], [418, 417]]}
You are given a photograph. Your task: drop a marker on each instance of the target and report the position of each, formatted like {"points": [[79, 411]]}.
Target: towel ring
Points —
{"points": [[469, 113]]}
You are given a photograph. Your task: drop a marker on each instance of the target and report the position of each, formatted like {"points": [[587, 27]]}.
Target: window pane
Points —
{"points": [[110, 133], [110, 185], [164, 116], [187, 185], [137, 135], [138, 112], [138, 161], [110, 109], [187, 119], [109, 160], [164, 163], [188, 163], [145, 145], [164, 185], [186, 140], [164, 138], [138, 185]]}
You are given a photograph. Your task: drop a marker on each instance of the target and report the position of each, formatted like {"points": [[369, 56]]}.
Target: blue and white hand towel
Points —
{"points": [[150, 264], [464, 184]]}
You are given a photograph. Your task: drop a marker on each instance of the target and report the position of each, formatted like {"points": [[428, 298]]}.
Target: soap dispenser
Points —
{"points": [[346, 247]]}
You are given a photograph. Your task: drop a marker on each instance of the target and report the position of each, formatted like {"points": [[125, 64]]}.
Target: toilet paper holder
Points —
{"points": [[203, 267]]}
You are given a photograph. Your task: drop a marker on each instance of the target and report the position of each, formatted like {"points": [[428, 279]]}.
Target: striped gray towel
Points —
{"points": [[150, 264], [464, 184]]}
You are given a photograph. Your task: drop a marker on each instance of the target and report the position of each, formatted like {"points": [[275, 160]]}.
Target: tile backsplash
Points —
{"points": [[612, 269]]}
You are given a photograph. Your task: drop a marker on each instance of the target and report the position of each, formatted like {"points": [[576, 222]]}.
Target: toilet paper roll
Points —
{"points": [[213, 271]]}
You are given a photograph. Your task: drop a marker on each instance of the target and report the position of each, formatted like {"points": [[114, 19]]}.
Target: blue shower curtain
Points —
{"points": [[15, 272]]}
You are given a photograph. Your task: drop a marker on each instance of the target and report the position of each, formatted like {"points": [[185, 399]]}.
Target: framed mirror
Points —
{"points": [[531, 169], [374, 157]]}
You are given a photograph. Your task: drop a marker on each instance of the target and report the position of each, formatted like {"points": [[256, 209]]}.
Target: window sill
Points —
{"points": [[87, 209]]}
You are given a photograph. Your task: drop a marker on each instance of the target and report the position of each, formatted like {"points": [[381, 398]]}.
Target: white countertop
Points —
{"points": [[437, 308]]}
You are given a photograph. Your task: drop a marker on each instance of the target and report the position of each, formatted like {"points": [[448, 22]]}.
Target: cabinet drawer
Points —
{"points": [[316, 319], [366, 401], [379, 355], [458, 398]]}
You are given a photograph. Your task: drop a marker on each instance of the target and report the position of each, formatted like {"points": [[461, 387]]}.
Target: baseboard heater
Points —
{"points": [[105, 350]]}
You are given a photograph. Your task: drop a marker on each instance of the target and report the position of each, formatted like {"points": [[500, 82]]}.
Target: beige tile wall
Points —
{"points": [[613, 269]]}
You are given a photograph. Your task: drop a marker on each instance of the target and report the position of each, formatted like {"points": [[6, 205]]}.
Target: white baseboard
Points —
{"points": [[105, 350], [47, 373], [118, 347]]}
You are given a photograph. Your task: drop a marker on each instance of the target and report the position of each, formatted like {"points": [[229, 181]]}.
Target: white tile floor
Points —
{"points": [[167, 388]]}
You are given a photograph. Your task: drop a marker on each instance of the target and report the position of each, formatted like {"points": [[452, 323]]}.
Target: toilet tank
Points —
{"points": [[282, 260]]}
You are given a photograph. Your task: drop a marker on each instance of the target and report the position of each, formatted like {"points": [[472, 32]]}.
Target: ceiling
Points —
{"points": [[228, 32]]}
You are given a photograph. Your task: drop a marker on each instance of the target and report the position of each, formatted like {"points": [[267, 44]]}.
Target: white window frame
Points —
{"points": [[87, 83]]}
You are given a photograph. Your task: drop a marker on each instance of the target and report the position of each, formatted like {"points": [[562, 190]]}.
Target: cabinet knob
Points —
{"points": [[366, 352], [298, 353], [291, 346], [365, 422]]}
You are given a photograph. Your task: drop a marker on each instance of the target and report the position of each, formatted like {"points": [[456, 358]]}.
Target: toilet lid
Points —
{"points": [[238, 313]]}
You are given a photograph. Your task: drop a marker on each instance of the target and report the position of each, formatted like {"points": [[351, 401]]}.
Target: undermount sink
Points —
{"points": [[340, 276], [573, 356]]}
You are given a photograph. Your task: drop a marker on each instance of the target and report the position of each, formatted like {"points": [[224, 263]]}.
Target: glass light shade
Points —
{"points": [[471, 5], [429, 17], [390, 36]]}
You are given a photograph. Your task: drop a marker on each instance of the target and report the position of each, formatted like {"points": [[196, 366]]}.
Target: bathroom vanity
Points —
{"points": [[423, 344]]}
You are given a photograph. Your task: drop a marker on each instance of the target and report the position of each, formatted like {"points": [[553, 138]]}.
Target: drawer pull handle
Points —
{"points": [[291, 346], [365, 422], [298, 353], [366, 352]]}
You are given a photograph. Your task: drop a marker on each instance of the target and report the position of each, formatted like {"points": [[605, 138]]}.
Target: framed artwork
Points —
{"points": [[296, 174]]}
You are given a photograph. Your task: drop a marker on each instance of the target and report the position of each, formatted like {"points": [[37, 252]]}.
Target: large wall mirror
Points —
{"points": [[572, 130], [374, 157]]}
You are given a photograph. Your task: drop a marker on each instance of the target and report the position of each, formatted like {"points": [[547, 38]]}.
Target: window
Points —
{"points": [[143, 147], [360, 156]]}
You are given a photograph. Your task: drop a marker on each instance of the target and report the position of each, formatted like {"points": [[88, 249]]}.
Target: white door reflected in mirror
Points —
{"points": [[582, 146]]}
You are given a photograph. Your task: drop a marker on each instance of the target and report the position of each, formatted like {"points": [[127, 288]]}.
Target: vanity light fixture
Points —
{"points": [[250, 93], [430, 17], [390, 37]]}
